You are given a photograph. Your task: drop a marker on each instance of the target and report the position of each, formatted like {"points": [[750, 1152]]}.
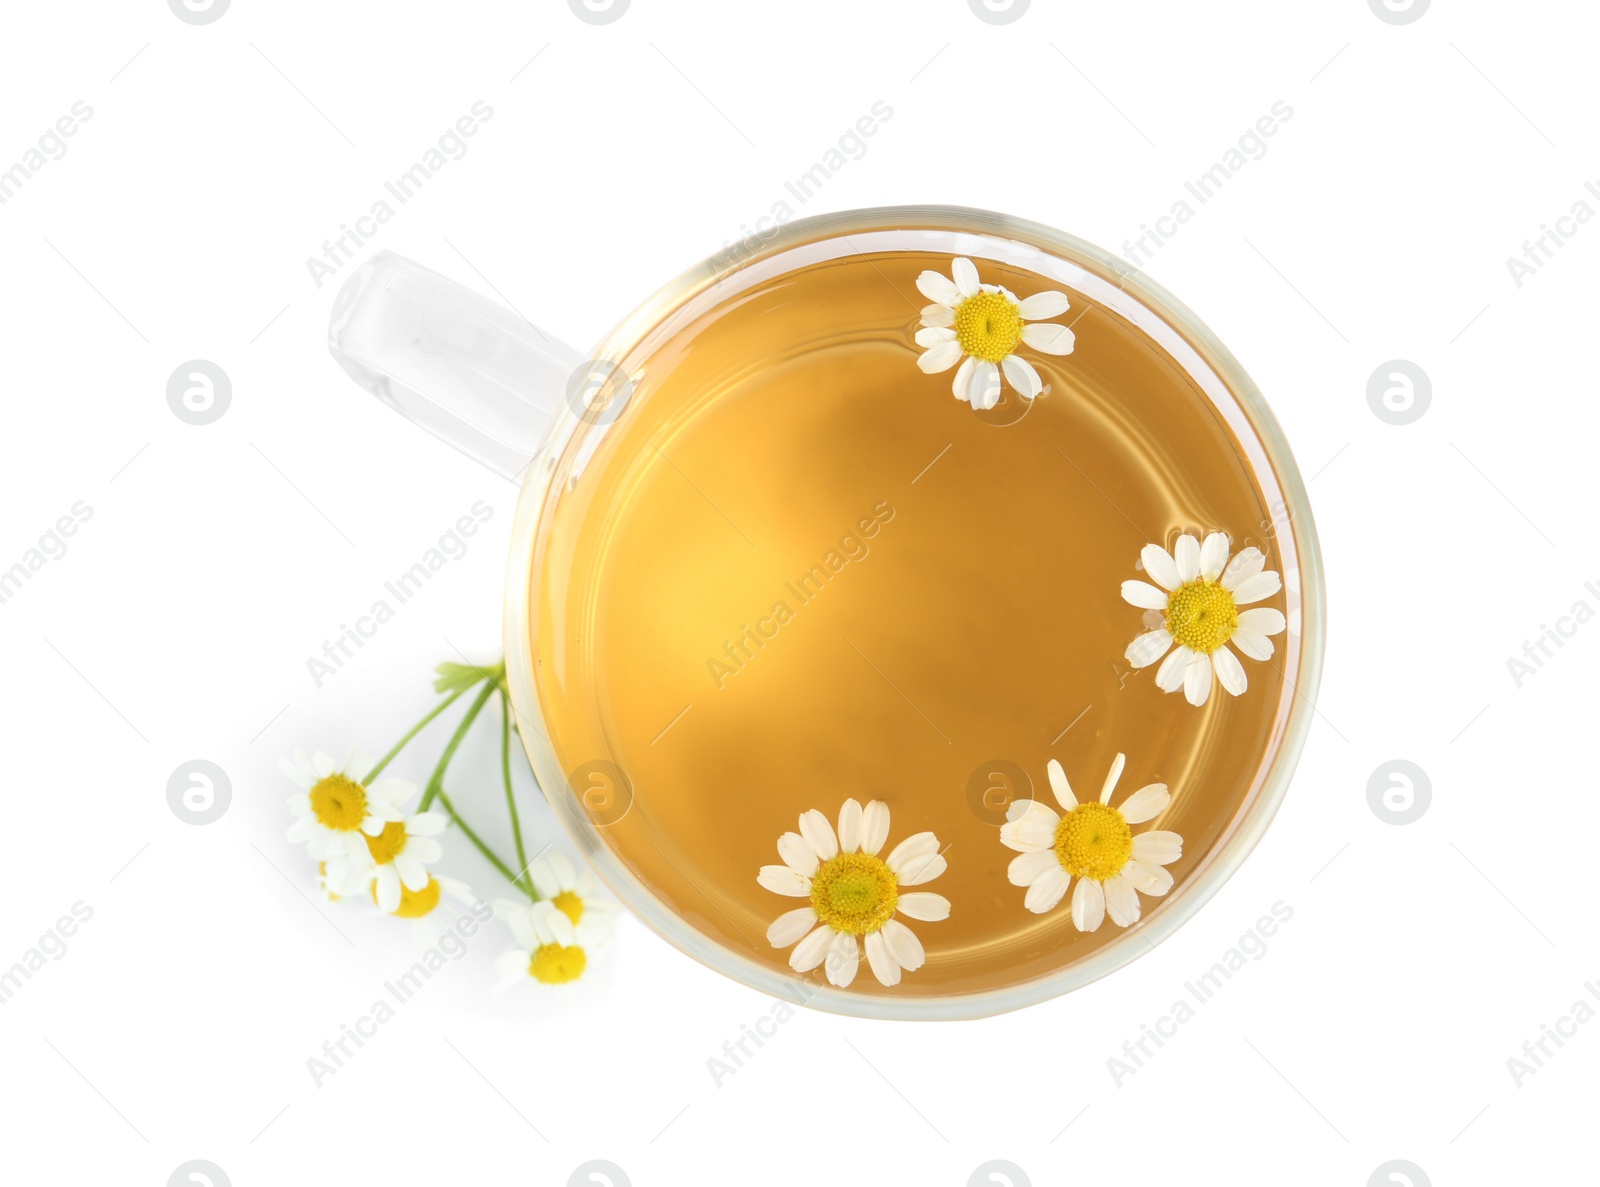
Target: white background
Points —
{"points": [[218, 558]]}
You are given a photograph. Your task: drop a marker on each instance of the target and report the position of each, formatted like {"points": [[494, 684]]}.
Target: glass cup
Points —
{"points": [[534, 410]]}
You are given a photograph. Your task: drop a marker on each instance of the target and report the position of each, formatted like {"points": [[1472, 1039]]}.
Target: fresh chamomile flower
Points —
{"points": [[1199, 597], [854, 894], [569, 889], [1093, 843], [550, 949], [395, 861], [980, 326], [337, 809]]}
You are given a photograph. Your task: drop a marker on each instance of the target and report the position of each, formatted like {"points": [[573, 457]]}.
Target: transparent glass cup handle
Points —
{"points": [[471, 372]]}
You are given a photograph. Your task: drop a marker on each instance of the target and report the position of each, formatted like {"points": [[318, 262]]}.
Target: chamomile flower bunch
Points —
{"points": [[375, 841]]}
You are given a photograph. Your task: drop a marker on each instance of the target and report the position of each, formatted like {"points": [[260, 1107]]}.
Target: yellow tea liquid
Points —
{"points": [[797, 569]]}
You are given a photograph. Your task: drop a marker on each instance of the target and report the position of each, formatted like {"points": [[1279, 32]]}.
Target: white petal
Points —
{"points": [[424, 849], [1115, 773], [797, 854], [791, 927], [933, 335], [413, 874], [1229, 670], [983, 388], [372, 824], [939, 358], [1043, 305], [783, 880], [874, 826], [965, 273], [1122, 900], [850, 826], [388, 889], [1144, 595], [300, 804], [1263, 620], [1047, 889], [430, 824], [939, 289], [302, 829], [1213, 555], [1197, 681], [903, 945], [1049, 338], [808, 953], [843, 959], [1146, 878], [921, 904], [1160, 566], [884, 966], [1187, 554], [963, 380], [1059, 785], [1252, 643], [917, 870], [1148, 648], [814, 827], [1253, 589], [1247, 563], [917, 845], [1020, 374], [1026, 867], [323, 764], [1169, 676], [1158, 847], [938, 316], [1088, 905], [1034, 829], [1147, 803]]}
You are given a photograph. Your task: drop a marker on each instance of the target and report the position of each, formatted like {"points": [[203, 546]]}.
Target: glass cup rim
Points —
{"points": [[1226, 855]]}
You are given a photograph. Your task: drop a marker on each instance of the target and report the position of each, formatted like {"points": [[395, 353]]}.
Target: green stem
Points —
{"points": [[436, 780], [511, 799], [482, 848], [413, 732]]}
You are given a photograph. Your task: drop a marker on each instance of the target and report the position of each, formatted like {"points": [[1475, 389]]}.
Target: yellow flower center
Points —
{"points": [[388, 844], [988, 326], [1202, 615], [570, 905], [339, 802], [1093, 841], [557, 964], [855, 893], [415, 904]]}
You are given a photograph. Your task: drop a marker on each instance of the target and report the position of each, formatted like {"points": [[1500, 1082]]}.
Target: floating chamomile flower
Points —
{"points": [[337, 810], [550, 949], [569, 889], [854, 894], [1200, 593], [1093, 844], [980, 326]]}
